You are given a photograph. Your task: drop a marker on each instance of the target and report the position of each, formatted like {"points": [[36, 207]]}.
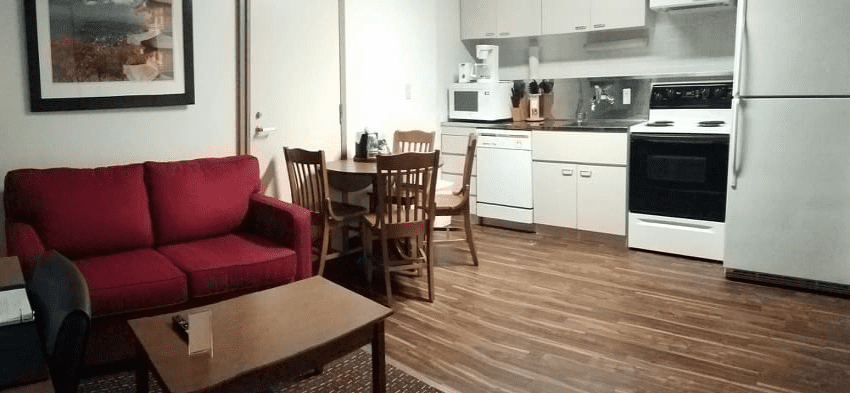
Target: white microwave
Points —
{"points": [[480, 101]]}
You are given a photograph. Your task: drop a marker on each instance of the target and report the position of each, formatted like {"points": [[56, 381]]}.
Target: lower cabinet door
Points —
{"points": [[601, 199], [555, 194]]}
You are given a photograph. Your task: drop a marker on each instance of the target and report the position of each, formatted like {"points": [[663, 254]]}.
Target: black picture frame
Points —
{"points": [[47, 95]]}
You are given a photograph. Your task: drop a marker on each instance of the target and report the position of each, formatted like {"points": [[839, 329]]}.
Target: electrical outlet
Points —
{"points": [[627, 96]]}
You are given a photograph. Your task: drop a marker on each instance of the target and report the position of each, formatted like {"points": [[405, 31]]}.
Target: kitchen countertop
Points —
{"points": [[600, 125]]}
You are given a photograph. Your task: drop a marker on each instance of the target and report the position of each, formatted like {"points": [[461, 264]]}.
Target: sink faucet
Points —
{"points": [[599, 96]]}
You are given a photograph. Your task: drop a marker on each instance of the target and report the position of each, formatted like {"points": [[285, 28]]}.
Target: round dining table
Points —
{"points": [[350, 176]]}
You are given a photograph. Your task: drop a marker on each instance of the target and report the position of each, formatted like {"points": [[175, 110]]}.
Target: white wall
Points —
{"points": [[106, 137], [394, 43]]}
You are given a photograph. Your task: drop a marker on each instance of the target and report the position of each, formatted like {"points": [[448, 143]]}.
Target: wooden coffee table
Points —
{"points": [[290, 328]]}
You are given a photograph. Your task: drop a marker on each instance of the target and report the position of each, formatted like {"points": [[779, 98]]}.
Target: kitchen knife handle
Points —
{"points": [[740, 36], [735, 168]]}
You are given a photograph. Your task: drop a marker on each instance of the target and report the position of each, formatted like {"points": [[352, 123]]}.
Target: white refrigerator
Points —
{"points": [[788, 200]]}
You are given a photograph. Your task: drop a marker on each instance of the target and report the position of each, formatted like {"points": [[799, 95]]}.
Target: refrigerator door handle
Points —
{"points": [[735, 168], [739, 47]]}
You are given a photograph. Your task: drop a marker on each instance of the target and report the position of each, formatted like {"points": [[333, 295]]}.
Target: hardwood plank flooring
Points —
{"points": [[554, 313]]}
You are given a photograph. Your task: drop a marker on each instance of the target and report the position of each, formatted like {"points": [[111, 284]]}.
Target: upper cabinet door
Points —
{"points": [[565, 16], [518, 18], [478, 19], [617, 14]]}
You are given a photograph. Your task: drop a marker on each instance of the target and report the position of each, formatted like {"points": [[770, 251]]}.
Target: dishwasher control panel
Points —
{"points": [[504, 139]]}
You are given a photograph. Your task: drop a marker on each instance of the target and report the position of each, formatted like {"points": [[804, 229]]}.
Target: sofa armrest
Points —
{"points": [[22, 241], [286, 223]]}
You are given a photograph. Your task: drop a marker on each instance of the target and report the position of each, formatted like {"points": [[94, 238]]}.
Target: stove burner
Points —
{"points": [[711, 123], [660, 123]]}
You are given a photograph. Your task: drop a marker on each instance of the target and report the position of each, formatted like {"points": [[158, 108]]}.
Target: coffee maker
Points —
{"points": [[485, 71], [487, 68]]}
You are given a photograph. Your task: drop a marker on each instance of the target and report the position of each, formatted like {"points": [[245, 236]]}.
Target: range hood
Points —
{"points": [[671, 5]]}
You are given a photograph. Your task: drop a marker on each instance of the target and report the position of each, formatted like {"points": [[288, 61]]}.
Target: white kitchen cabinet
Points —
{"points": [[570, 16], [499, 18], [601, 199], [478, 19], [555, 194], [617, 14], [453, 142], [580, 180]]}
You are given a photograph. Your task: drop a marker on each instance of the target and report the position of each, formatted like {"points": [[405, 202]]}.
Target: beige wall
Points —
{"points": [[391, 44], [105, 137]]}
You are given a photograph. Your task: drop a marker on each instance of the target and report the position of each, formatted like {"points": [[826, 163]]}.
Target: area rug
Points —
{"points": [[350, 373]]}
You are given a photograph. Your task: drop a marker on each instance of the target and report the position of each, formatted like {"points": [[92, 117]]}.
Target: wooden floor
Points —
{"points": [[547, 314]]}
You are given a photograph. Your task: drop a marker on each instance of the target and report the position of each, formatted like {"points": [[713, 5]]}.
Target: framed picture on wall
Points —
{"points": [[98, 54]]}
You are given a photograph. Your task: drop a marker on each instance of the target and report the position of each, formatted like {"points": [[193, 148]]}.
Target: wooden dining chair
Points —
{"points": [[406, 184], [457, 203], [413, 141], [308, 182]]}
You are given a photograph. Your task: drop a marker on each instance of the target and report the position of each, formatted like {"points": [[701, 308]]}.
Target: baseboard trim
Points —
{"points": [[788, 282]]}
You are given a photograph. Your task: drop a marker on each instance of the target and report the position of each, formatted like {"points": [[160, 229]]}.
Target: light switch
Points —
{"points": [[627, 96], [407, 91]]}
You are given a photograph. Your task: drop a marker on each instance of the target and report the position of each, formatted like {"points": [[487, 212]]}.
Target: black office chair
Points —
{"points": [[60, 299]]}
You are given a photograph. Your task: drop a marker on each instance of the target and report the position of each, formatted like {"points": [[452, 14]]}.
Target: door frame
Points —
{"points": [[243, 76]]}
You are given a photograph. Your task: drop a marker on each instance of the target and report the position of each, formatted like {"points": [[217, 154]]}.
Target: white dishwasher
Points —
{"points": [[504, 176]]}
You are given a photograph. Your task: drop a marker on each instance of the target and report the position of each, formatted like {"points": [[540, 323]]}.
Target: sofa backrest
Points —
{"points": [[200, 198], [82, 212]]}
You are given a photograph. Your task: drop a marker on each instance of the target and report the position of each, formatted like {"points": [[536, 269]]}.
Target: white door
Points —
{"points": [[794, 47], [294, 84], [789, 212]]}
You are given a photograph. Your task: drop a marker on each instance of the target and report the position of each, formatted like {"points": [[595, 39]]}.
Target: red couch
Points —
{"points": [[156, 237]]}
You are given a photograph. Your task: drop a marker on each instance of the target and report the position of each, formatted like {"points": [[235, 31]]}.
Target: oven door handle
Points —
{"points": [[680, 138], [735, 168]]}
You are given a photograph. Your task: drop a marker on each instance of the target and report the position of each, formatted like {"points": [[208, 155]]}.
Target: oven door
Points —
{"points": [[679, 175]]}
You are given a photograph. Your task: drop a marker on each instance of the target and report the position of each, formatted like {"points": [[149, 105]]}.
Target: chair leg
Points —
{"points": [[386, 263], [467, 224], [429, 250], [323, 251]]}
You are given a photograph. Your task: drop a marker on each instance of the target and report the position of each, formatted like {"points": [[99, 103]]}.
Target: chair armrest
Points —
{"points": [[60, 296], [22, 241], [57, 289], [286, 223]]}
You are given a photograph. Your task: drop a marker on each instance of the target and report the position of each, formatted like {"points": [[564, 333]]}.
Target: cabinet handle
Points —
{"points": [[581, 27], [584, 173], [566, 172], [504, 34], [489, 34], [599, 26]]}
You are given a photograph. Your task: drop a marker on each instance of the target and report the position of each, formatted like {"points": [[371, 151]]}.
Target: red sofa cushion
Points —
{"points": [[131, 281], [232, 262], [82, 212], [200, 198]]}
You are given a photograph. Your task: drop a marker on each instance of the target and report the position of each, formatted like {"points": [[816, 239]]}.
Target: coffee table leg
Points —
{"points": [[379, 363], [142, 377]]}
